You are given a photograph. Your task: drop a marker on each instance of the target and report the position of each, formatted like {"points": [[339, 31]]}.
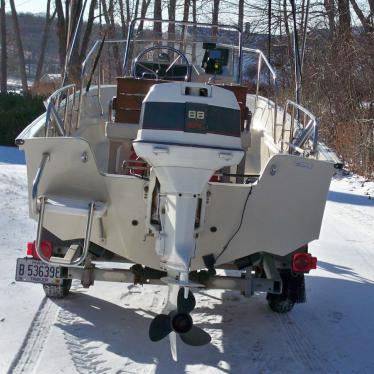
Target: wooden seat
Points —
{"points": [[130, 94]]}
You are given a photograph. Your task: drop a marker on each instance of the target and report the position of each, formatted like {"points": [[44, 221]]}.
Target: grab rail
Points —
{"points": [[60, 99], [87, 237], [307, 128], [36, 181], [84, 72], [260, 59]]}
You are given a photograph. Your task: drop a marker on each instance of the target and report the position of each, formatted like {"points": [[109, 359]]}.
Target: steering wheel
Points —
{"points": [[160, 67]]}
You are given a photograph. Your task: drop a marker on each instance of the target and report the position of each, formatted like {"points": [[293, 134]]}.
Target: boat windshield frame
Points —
{"points": [[131, 39]]}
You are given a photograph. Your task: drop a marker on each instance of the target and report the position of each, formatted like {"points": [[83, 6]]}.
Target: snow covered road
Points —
{"points": [[105, 329]]}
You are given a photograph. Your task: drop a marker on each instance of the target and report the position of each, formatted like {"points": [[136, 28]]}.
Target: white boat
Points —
{"points": [[176, 173]]}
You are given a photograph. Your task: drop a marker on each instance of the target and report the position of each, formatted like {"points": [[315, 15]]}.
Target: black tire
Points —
{"points": [[57, 292], [293, 292], [280, 303]]}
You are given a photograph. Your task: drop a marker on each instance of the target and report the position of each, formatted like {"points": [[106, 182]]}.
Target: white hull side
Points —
{"points": [[284, 210]]}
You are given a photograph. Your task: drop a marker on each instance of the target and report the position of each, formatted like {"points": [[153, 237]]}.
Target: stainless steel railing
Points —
{"points": [[84, 72], [60, 108], [61, 104], [303, 129]]}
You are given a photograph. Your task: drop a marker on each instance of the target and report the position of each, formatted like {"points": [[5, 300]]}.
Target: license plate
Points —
{"points": [[36, 271]]}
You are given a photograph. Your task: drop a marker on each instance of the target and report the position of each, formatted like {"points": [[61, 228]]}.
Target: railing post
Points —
{"points": [[258, 78], [284, 124], [99, 88], [275, 109]]}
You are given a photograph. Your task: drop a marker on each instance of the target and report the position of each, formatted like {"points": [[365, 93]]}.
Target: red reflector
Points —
{"points": [[30, 248], [303, 262], [45, 246]]}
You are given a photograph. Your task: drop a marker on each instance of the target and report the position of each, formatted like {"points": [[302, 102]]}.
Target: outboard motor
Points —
{"points": [[187, 132]]}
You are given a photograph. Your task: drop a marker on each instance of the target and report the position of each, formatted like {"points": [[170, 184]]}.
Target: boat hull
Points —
{"points": [[280, 213]]}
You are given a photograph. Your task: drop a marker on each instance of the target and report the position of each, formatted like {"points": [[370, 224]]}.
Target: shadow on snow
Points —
{"points": [[331, 331]]}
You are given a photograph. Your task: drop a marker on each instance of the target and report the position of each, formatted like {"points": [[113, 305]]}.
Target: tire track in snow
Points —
{"points": [[90, 356], [28, 355], [302, 349], [85, 355]]}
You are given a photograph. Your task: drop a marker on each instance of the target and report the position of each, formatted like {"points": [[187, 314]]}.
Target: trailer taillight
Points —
{"points": [[30, 249], [303, 262], [45, 246]]}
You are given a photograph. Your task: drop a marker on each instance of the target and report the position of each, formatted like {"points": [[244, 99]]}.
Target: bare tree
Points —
{"points": [[125, 19], [65, 37], [331, 13], [4, 57], [194, 30], [215, 14], [171, 14], [186, 12], [157, 14], [61, 31], [344, 15], [365, 21], [43, 46], [21, 56], [108, 10], [143, 12], [241, 14]]}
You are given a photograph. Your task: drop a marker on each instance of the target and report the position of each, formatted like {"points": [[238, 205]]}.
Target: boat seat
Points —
{"points": [[130, 95], [122, 129], [73, 207]]}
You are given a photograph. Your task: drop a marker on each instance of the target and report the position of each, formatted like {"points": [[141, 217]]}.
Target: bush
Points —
{"points": [[17, 112]]}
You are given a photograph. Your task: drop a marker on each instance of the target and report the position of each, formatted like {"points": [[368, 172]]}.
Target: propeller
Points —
{"points": [[179, 322]]}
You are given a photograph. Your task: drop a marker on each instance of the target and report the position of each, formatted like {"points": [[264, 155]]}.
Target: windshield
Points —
{"points": [[175, 50]]}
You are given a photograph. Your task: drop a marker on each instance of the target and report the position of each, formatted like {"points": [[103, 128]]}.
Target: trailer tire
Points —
{"points": [[53, 291], [280, 303]]}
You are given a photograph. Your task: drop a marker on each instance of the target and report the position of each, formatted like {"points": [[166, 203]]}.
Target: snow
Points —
{"points": [[104, 329]]}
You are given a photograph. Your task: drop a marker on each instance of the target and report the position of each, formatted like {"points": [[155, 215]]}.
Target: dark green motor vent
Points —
{"points": [[191, 117]]}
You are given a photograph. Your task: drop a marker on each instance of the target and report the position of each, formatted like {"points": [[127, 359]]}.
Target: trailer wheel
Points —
{"points": [[293, 291], [280, 303], [57, 292]]}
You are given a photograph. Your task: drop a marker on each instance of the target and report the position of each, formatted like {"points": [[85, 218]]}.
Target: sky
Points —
{"points": [[30, 6]]}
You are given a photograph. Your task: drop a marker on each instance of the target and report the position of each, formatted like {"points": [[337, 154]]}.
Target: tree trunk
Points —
{"points": [[215, 16], [364, 21], [288, 35], [331, 11], [61, 33], [109, 20], [88, 31], [241, 14], [143, 13], [186, 11], [43, 45], [123, 19], [194, 31], [4, 57], [157, 14], [21, 57], [171, 14], [344, 20]]}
